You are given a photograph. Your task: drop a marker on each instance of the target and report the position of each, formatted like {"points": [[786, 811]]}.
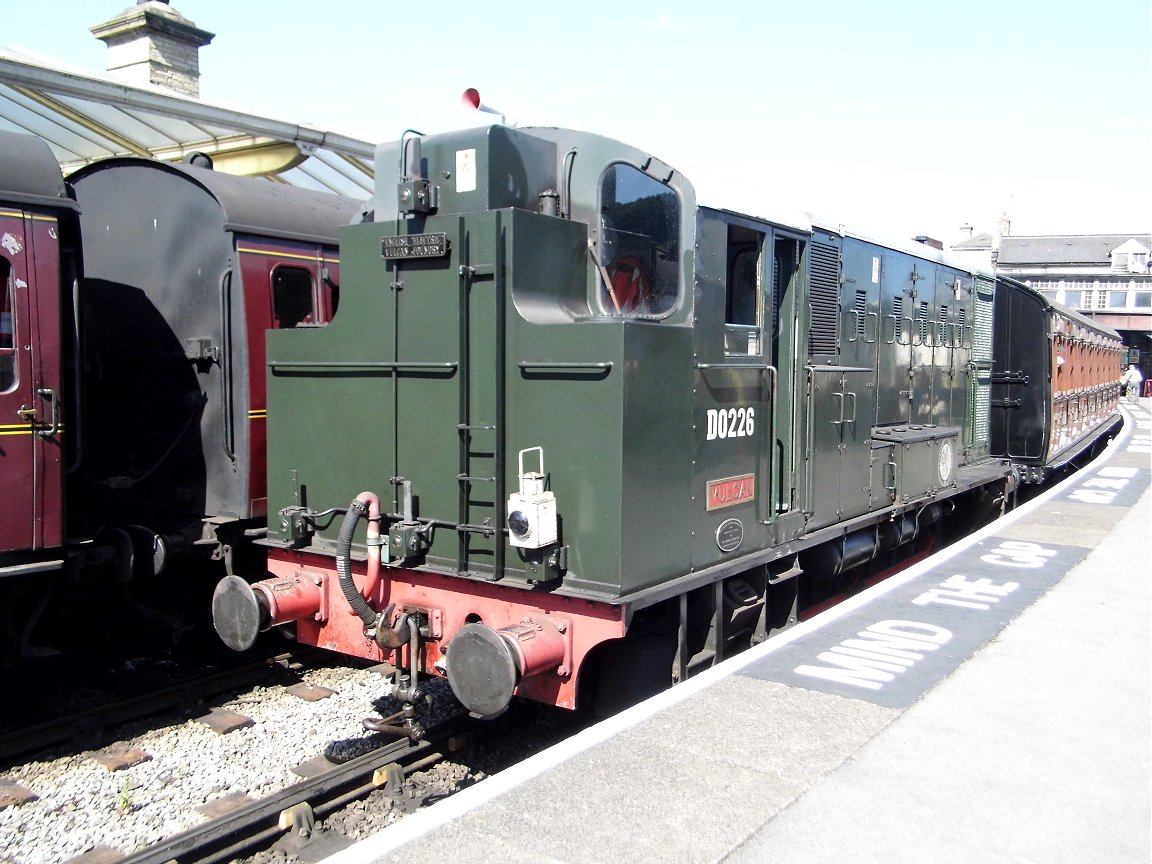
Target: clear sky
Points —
{"points": [[889, 116]]}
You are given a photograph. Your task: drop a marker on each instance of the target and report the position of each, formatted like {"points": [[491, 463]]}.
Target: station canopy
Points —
{"points": [[84, 118]]}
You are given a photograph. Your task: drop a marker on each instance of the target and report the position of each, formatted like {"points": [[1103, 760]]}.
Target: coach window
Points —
{"points": [[292, 297], [639, 248], [7, 328]]}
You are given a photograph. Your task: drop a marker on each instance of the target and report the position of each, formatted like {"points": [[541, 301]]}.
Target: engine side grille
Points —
{"points": [[824, 271], [982, 322]]}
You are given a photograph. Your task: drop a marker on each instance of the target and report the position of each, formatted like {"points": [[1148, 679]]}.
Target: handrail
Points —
{"points": [[546, 364], [226, 388], [760, 366], [53, 399], [306, 365]]}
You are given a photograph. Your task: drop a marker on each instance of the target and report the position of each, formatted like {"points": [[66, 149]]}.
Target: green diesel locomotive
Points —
{"points": [[602, 436]]}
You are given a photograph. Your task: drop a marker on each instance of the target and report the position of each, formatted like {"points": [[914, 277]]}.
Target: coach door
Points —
{"points": [[17, 462], [30, 421]]}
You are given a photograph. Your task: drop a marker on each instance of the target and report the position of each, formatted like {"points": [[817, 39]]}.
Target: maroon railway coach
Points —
{"points": [[137, 295], [37, 231]]}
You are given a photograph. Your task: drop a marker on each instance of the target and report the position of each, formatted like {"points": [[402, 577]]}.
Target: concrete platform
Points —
{"points": [[990, 704]]}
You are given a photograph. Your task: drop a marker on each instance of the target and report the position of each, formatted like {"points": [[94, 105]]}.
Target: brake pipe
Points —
{"points": [[365, 505]]}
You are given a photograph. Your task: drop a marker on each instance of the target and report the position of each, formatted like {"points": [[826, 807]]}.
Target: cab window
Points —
{"points": [[639, 249], [292, 297], [742, 298], [7, 327]]}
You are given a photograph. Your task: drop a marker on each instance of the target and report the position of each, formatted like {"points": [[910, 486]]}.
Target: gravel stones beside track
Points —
{"points": [[81, 804]]}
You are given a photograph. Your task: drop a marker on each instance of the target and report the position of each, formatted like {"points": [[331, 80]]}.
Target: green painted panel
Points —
{"points": [[860, 316], [895, 349], [732, 450], [329, 392], [656, 512], [856, 445], [826, 407]]}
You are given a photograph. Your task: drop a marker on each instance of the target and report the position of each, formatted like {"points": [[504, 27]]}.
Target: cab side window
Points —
{"points": [[7, 327], [639, 248], [743, 303], [292, 297]]}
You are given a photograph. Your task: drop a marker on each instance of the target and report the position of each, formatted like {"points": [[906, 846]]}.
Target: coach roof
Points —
{"points": [[253, 205], [31, 174]]}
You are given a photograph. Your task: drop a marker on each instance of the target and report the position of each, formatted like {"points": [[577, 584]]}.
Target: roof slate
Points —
{"points": [[980, 242], [1064, 248]]}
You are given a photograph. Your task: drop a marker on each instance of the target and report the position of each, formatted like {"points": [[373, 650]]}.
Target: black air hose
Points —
{"points": [[344, 563]]}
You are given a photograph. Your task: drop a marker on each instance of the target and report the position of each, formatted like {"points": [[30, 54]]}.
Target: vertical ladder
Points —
{"points": [[469, 472]]}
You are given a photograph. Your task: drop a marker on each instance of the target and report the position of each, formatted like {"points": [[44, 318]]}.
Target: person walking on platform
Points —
{"points": [[1131, 381]]}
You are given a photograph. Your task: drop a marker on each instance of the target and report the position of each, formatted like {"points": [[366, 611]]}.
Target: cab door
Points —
{"points": [[31, 468], [736, 479]]}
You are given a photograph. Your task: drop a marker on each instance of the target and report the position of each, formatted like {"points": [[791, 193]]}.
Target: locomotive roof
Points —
{"points": [[252, 205], [31, 173], [747, 201], [909, 246]]}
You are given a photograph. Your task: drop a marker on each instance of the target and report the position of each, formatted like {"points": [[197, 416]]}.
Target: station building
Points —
{"points": [[1107, 277]]}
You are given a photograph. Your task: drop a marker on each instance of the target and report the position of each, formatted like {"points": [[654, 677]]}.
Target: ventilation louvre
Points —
{"points": [[824, 280], [861, 308], [922, 321], [982, 323], [981, 396]]}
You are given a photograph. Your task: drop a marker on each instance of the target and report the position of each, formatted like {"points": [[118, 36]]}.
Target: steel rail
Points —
{"points": [[253, 825]]}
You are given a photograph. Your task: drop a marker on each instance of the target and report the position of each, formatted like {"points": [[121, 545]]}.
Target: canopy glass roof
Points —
{"points": [[85, 117]]}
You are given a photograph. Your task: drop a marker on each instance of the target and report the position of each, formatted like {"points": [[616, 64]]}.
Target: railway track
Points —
{"points": [[291, 814], [88, 726], [188, 789]]}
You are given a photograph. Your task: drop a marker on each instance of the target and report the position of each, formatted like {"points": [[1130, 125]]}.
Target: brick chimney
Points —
{"points": [[1003, 229], [152, 43]]}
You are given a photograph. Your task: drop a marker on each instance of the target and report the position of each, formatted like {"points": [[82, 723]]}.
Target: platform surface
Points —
{"points": [[990, 704]]}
